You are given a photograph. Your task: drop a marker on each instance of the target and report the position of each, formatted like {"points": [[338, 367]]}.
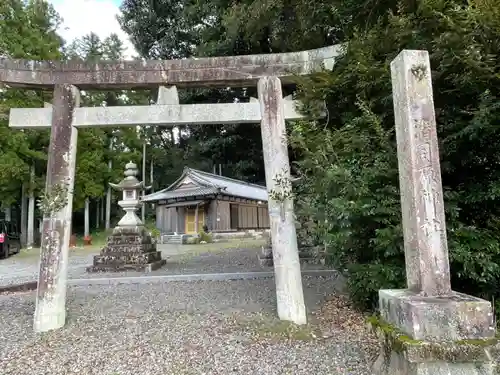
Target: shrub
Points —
{"points": [[348, 196], [205, 237]]}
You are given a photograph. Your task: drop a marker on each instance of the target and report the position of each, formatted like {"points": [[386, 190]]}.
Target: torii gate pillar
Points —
{"points": [[57, 207], [289, 293]]}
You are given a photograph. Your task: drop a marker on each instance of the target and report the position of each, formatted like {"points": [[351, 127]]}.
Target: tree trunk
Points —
{"points": [[24, 212], [87, 218], [30, 238], [97, 213], [143, 216], [108, 194], [8, 214], [151, 179], [101, 202]]}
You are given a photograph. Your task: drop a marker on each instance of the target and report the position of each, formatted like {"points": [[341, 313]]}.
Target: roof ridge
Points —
{"points": [[227, 178]]}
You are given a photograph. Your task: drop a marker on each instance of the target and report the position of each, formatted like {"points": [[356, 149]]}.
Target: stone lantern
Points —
{"points": [[130, 246], [130, 188]]}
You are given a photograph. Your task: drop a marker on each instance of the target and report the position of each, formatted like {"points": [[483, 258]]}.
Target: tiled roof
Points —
{"points": [[163, 195], [209, 183]]}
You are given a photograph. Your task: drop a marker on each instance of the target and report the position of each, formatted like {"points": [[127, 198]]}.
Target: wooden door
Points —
{"points": [[191, 220]]}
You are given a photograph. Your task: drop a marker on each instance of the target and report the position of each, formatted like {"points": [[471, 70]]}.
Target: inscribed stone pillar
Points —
{"points": [[289, 293], [449, 333], [426, 248], [50, 312]]}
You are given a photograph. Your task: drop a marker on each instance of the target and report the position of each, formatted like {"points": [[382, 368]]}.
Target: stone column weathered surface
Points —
{"points": [[289, 293], [427, 328], [424, 226], [56, 205]]}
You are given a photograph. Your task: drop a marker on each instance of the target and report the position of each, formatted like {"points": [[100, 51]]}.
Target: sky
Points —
{"points": [[80, 17]]}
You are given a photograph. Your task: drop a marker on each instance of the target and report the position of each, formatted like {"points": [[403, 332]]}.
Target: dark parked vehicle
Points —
{"points": [[10, 239]]}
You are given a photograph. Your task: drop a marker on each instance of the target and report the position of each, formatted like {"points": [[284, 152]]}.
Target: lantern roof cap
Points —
{"points": [[130, 182]]}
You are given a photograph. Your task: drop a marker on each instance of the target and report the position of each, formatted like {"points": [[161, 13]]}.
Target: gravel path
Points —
{"points": [[15, 271], [180, 329]]}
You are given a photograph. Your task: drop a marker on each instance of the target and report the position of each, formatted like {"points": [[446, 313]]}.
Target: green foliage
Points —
{"points": [[348, 196], [27, 30], [178, 29], [155, 232], [205, 237]]}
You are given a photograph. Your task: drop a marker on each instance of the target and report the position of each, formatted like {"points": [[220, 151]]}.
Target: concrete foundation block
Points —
{"points": [[401, 355], [451, 318], [453, 335]]}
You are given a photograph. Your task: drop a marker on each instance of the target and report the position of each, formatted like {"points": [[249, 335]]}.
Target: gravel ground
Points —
{"points": [[13, 271], [186, 329]]}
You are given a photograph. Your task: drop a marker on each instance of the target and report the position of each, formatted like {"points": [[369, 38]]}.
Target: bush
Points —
{"points": [[192, 240], [205, 237], [348, 196], [155, 233]]}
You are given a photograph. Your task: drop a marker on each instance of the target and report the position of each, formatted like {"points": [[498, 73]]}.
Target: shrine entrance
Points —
{"points": [[195, 219], [270, 109]]}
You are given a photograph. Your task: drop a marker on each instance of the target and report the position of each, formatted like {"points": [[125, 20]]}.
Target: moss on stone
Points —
{"points": [[394, 340]]}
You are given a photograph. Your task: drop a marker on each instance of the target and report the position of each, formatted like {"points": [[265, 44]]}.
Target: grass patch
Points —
{"points": [[265, 326], [187, 252], [34, 253]]}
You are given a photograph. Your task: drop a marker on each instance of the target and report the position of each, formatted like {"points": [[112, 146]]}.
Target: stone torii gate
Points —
{"points": [[267, 72]]}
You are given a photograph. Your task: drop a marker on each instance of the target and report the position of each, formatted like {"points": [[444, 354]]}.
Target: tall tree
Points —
{"points": [[27, 30], [349, 192], [177, 29]]}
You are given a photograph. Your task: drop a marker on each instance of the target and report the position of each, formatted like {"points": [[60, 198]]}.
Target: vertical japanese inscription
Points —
{"points": [[426, 250]]}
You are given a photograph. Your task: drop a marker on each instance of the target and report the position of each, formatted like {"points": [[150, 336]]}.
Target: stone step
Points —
{"points": [[134, 259], [121, 239], [144, 248], [114, 253], [120, 267], [173, 239], [269, 262]]}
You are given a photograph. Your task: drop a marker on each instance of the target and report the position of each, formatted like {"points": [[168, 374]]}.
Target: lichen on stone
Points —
{"points": [[53, 200], [419, 71], [283, 190]]}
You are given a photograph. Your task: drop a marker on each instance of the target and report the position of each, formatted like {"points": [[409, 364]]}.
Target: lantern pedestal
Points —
{"points": [[130, 247]]}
